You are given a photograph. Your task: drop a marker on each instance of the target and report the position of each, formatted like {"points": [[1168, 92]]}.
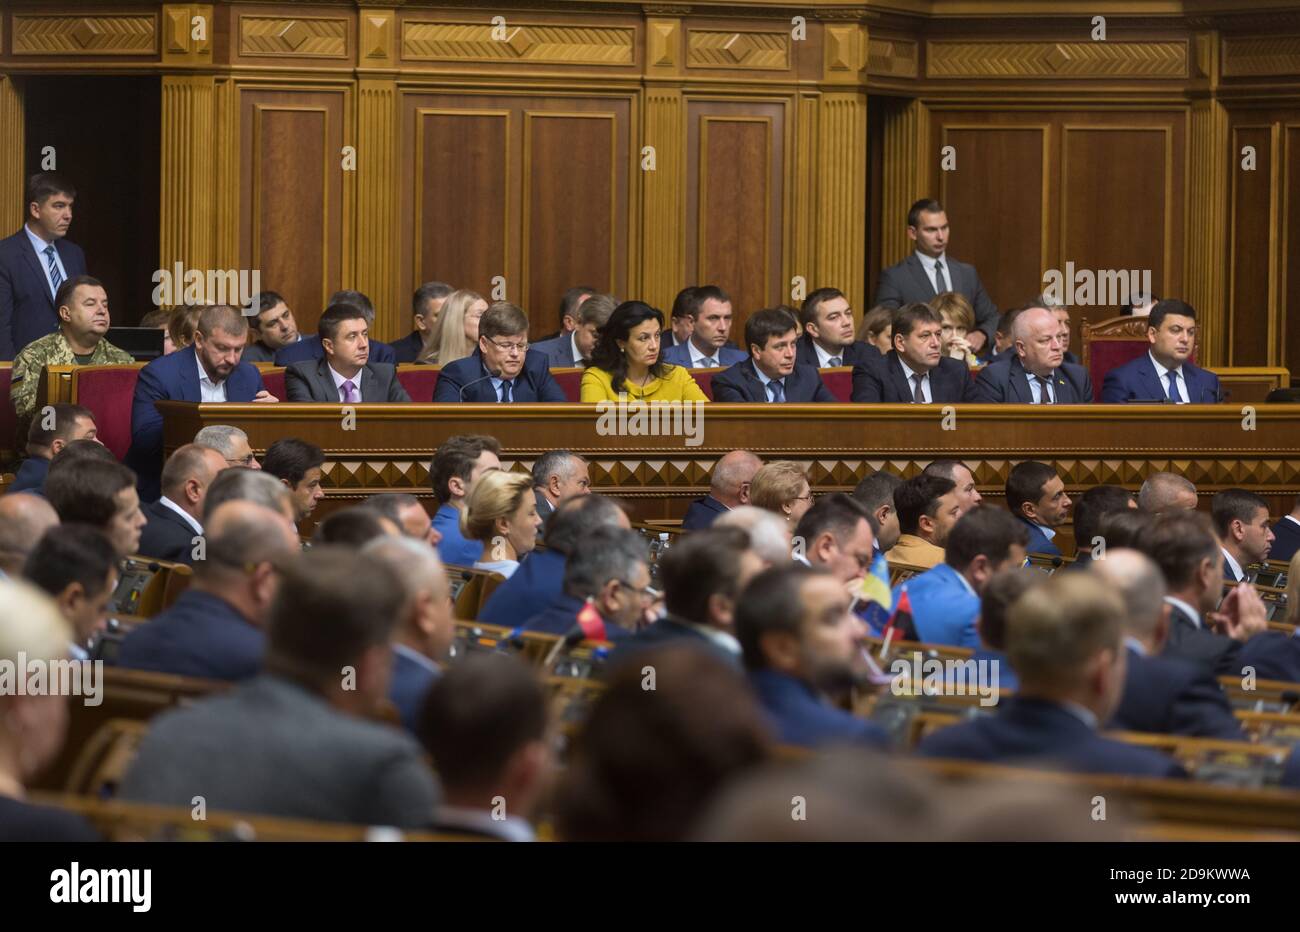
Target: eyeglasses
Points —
{"points": [[647, 593], [245, 461], [510, 347]]}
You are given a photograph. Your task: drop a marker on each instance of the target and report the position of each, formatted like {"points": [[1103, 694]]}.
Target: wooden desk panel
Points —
{"points": [[389, 446]]}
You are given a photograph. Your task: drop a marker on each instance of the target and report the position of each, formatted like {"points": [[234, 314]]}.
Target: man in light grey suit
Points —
{"points": [[929, 272], [345, 373], [293, 741], [574, 347]]}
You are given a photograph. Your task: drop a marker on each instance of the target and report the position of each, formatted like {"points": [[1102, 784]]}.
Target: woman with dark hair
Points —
{"points": [[626, 361]]}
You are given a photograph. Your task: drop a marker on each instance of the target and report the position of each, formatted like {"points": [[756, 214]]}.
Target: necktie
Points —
{"points": [[349, 392], [709, 362], [940, 283], [505, 390], [777, 389], [56, 278], [835, 361], [918, 396], [1173, 387], [1045, 390]]}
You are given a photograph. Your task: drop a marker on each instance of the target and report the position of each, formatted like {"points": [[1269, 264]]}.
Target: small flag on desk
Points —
{"points": [[874, 597], [899, 626], [592, 625]]}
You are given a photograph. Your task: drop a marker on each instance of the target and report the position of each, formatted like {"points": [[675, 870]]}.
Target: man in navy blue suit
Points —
{"points": [[275, 326], [1164, 373], [709, 309], [35, 261], [212, 371], [828, 341], [728, 489], [309, 347], [1036, 495], [174, 527], [502, 368], [455, 467], [801, 645], [1034, 372], [771, 373], [609, 570], [215, 629], [1064, 642], [1241, 521], [426, 305], [1161, 694], [945, 600], [573, 348], [915, 371], [1286, 535]]}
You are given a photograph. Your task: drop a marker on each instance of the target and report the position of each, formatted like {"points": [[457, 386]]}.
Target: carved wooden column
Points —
{"points": [[12, 141], [661, 272], [375, 230], [905, 175], [1207, 216]]}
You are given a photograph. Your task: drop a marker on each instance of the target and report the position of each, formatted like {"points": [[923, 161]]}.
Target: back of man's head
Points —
{"points": [[455, 459], [1056, 631], [1093, 506], [1000, 593], [1137, 580], [23, 519], [252, 485], [769, 536], [239, 535], [289, 459], [77, 450], [223, 438], [771, 603], [984, 532], [1025, 484], [577, 517], [351, 527], [561, 463], [1179, 542], [919, 496], [190, 461], [416, 564], [1166, 491], [1121, 529], [732, 474], [877, 490], [477, 717], [44, 429], [838, 515], [355, 298], [605, 553], [87, 490], [705, 568], [71, 553], [1235, 505]]}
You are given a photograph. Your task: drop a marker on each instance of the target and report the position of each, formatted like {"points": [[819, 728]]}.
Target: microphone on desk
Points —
{"points": [[484, 378]]}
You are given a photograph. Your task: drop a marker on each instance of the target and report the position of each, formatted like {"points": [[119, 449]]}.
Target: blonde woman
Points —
{"points": [[455, 335], [958, 319], [782, 488], [877, 328], [502, 513], [182, 323]]}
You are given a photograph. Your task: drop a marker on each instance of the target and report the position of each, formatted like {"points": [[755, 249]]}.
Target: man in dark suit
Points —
{"points": [[608, 572], [486, 728], [702, 576], [828, 340], [1036, 372], [426, 305], [211, 371], [728, 489], [1064, 642], [1161, 694], [707, 347], [915, 371], [771, 373], [1241, 521], [35, 261], [294, 741], [46, 438], [557, 475], [573, 349], [680, 321], [98, 491], [570, 302], [214, 630], [502, 368], [800, 644], [1036, 495], [76, 566], [928, 272], [174, 527], [1286, 535], [275, 326], [1163, 373], [309, 347], [345, 373]]}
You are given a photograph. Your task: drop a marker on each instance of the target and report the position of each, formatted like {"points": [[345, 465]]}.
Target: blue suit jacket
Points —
{"points": [[407, 687], [31, 475], [680, 355], [537, 583], [27, 310], [174, 378], [1038, 541], [558, 351], [1005, 382], [1031, 731], [882, 380], [407, 348], [200, 635], [702, 513], [562, 616], [454, 548], [943, 608], [1197, 644], [534, 383], [1137, 381], [1287, 542], [854, 354], [1007, 678], [309, 348], [741, 383], [671, 631], [1274, 655], [1173, 697], [800, 717]]}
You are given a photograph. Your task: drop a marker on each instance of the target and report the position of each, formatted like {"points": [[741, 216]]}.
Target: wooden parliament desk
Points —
{"points": [[387, 447]]}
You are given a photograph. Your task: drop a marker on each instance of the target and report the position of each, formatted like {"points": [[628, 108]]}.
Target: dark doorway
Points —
{"points": [[104, 130]]}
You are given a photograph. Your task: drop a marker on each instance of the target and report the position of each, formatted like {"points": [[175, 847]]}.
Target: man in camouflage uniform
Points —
{"points": [[82, 307]]}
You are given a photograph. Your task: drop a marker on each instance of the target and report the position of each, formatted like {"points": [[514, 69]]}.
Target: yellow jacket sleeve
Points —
{"points": [[596, 386]]}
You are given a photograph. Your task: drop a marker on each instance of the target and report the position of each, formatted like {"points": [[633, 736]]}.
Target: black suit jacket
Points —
{"points": [[1006, 382], [27, 309], [907, 282], [407, 349], [167, 536], [1198, 645], [741, 383], [1287, 542], [1273, 655], [882, 380], [310, 380], [853, 354], [1174, 697], [702, 513]]}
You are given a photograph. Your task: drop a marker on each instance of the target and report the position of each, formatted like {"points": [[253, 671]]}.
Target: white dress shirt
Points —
{"points": [[1036, 387], [189, 518], [928, 263], [1236, 567], [911, 384], [40, 246], [340, 379], [480, 821], [719, 637], [698, 358], [1187, 610], [1163, 375], [577, 356], [208, 389], [824, 358], [416, 657]]}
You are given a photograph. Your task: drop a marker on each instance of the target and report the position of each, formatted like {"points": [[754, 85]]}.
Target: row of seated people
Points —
{"points": [[601, 567]]}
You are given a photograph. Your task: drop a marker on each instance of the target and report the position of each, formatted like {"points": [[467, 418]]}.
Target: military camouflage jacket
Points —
{"points": [[53, 350]]}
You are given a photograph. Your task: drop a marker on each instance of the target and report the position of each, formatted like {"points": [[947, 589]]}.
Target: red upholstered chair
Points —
{"points": [[840, 382], [9, 442], [419, 381], [570, 382], [107, 391], [273, 379], [704, 379], [1109, 344]]}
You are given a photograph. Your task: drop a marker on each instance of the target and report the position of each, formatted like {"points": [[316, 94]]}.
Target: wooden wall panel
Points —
{"points": [[1252, 197], [291, 211], [1290, 313], [735, 216]]}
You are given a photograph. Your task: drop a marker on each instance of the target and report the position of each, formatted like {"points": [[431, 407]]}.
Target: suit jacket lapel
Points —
{"points": [[898, 377], [189, 363], [1150, 381], [918, 273], [1019, 384], [34, 266], [757, 392]]}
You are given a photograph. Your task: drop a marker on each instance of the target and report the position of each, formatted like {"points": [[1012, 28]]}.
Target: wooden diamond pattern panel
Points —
{"points": [[85, 35], [306, 38], [958, 59], [426, 41], [768, 51]]}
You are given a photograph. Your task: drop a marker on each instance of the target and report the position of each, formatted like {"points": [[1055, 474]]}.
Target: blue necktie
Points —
{"points": [[505, 390], [777, 389], [56, 277], [1173, 387]]}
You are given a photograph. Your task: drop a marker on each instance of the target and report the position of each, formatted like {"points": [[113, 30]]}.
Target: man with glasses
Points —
{"points": [[230, 442], [502, 368], [345, 374], [609, 571]]}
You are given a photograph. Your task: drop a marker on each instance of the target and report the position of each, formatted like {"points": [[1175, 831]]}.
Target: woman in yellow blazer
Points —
{"points": [[626, 361]]}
